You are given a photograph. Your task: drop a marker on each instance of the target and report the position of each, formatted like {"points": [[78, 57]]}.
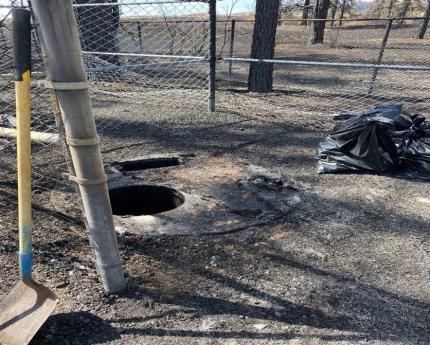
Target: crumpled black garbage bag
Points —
{"points": [[382, 140]]}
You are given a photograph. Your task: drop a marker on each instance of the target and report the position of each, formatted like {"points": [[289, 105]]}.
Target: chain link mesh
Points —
{"points": [[147, 62], [143, 59], [315, 91]]}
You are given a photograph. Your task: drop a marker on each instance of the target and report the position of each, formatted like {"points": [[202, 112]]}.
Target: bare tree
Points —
{"points": [[342, 12], [316, 32], [228, 11], [99, 28], [425, 22], [333, 11], [403, 11], [390, 8], [260, 78], [305, 13]]}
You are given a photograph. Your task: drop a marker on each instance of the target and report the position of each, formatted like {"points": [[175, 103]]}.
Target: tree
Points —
{"points": [[99, 27], [333, 11], [403, 11], [390, 8], [316, 33], [260, 78], [305, 13], [342, 12], [425, 22]]}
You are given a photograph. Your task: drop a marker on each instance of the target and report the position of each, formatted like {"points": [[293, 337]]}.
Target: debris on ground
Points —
{"points": [[383, 140]]}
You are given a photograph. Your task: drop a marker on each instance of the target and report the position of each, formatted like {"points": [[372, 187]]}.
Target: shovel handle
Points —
{"points": [[22, 65]]}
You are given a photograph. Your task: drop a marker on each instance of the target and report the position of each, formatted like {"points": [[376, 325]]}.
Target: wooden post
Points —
{"points": [[381, 55], [212, 56], [60, 41], [232, 36]]}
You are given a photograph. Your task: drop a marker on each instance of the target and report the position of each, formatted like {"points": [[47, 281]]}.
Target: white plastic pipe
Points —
{"points": [[46, 138]]}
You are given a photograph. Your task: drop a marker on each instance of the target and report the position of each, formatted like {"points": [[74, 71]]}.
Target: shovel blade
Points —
{"points": [[23, 311]]}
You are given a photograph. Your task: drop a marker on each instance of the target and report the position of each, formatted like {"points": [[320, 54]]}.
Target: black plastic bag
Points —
{"points": [[382, 140]]}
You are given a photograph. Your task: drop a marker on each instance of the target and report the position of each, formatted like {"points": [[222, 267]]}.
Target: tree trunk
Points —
{"points": [[318, 27], [260, 78], [379, 8], [390, 8], [333, 11], [425, 22], [305, 13], [403, 11], [342, 12], [98, 27]]}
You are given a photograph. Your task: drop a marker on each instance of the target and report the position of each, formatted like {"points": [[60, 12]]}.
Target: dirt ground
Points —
{"points": [[348, 265]]}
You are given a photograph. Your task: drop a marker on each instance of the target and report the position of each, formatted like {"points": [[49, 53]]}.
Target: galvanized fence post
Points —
{"points": [[232, 37], [60, 38], [381, 55], [212, 55], [139, 34]]}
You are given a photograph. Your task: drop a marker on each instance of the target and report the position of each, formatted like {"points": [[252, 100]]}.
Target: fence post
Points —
{"points": [[59, 34], [139, 34], [232, 36], [381, 55], [212, 55]]}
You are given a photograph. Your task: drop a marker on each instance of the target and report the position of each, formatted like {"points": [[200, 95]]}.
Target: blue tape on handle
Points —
{"points": [[25, 264]]}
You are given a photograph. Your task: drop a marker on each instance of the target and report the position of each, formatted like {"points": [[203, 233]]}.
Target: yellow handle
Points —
{"points": [[23, 119]]}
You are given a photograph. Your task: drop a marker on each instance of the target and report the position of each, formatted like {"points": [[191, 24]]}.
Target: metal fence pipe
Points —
{"points": [[331, 64], [212, 54], [161, 56], [380, 55]]}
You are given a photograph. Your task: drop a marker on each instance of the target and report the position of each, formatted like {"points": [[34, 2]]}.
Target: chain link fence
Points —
{"points": [[361, 62], [148, 65], [144, 59]]}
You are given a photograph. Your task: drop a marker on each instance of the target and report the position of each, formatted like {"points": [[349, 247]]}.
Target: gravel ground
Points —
{"points": [[349, 265]]}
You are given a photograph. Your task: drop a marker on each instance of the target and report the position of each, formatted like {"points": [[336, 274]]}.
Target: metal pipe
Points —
{"points": [[139, 35], [161, 56], [331, 64], [132, 3], [212, 55], [62, 49], [232, 37], [380, 55], [148, 65]]}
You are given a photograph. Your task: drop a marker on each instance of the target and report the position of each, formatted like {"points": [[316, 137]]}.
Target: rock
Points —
{"points": [[260, 326], [208, 325], [61, 284]]}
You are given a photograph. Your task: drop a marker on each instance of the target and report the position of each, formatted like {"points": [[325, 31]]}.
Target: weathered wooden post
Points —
{"points": [[212, 55], [381, 55], [66, 75], [232, 37]]}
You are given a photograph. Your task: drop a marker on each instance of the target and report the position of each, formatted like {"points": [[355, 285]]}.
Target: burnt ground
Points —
{"points": [[348, 265]]}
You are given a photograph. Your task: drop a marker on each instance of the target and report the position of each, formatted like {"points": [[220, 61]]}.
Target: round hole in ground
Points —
{"points": [[143, 200]]}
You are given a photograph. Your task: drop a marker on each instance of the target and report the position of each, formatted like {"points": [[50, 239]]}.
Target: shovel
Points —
{"points": [[29, 304]]}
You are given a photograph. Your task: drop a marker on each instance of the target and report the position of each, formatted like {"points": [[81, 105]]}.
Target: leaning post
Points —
{"points": [[212, 55], [67, 77], [380, 55]]}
